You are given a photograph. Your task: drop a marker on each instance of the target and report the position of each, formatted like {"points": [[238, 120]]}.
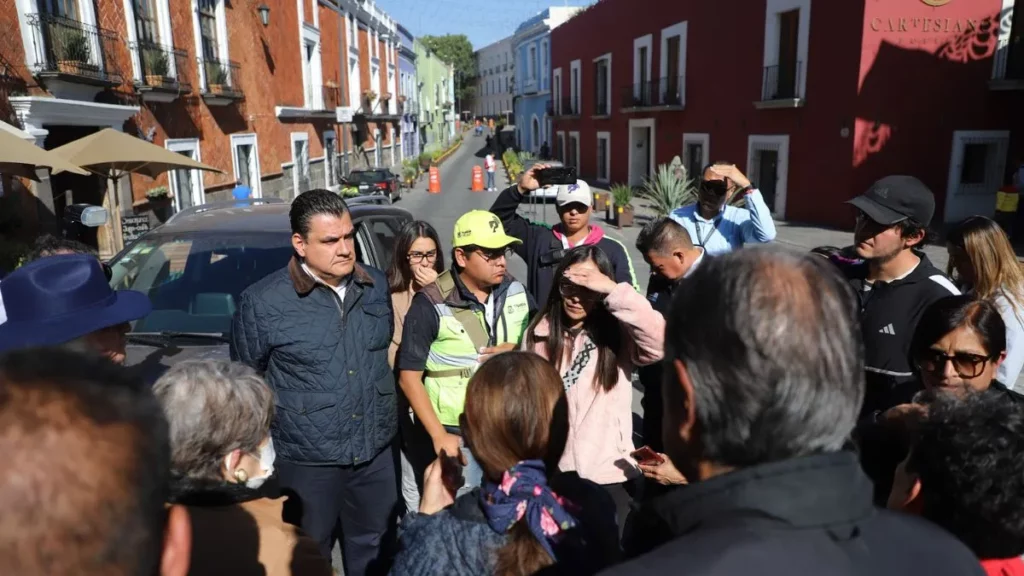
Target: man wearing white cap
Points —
{"points": [[543, 247]]}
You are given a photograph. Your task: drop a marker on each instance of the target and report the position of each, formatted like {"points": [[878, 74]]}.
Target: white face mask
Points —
{"points": [[267, 457]]}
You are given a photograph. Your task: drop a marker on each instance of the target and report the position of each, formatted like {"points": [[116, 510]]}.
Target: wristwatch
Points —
{"points": [[748, 189]]}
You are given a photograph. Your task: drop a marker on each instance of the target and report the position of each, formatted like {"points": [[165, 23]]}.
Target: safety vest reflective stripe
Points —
{"points": [[453, 357]]}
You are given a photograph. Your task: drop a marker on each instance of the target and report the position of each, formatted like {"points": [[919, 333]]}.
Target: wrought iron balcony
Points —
{"points": [[666, 92], [71, 50], [161, 68], [569, 108], [601, 105], [222, 81], [782, 82]]}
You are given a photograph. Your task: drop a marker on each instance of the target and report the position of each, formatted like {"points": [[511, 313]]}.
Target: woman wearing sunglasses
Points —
{"points": [[594, 332], [416, 263]]}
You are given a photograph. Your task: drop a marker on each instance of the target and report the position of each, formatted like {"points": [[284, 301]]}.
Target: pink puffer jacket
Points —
{"points": [[600, 421]]}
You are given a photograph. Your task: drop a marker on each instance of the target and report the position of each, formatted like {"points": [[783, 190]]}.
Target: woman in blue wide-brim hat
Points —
{"points": [[66, 301]]}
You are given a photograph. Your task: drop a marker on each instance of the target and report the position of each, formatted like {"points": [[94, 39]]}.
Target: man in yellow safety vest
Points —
{"points": [[472, 311]]}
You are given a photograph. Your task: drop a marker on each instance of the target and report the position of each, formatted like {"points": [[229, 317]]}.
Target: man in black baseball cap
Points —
{"points": [[895, 282]]}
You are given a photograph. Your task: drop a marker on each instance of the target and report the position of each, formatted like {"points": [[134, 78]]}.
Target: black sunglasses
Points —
{"points": [[967, 365], [714, 187]]}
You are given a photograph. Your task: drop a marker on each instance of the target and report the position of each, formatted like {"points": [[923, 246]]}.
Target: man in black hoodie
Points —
{"points": [[542, 246], [895, 282]]}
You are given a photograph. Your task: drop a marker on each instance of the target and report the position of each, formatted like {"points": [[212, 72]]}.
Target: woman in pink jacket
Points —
{"points": [[595, 331]]}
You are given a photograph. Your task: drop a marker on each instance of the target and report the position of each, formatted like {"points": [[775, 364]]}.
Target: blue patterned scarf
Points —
{"points": [[524, 493]]}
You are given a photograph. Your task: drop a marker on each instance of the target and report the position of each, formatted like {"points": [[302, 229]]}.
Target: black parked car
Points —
{"points": [[375, 181], [194, 267]]}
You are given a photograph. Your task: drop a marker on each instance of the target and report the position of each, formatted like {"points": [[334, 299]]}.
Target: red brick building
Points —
{"points": [[255, 89], [814, 99]]}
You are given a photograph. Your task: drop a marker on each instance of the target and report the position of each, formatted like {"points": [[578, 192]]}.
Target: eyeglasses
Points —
{"points": [[417, 257], [569, 290], [490, 254], [967, 365]]}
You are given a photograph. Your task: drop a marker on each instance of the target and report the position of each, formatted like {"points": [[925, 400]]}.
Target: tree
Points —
{"points": [[456, 50]]}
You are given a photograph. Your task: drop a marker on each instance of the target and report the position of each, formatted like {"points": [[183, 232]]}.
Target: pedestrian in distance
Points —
{"points": [[416, 263], [594, 331], [982, 262], [545, 151], [528, 514], [672, 257], [319, 330], [470, 312], [87, 471], [895, 283], [949, 479], [66, 301], [717, 226], [543, 247], [771, 490], [222, 460], [489, 168]]}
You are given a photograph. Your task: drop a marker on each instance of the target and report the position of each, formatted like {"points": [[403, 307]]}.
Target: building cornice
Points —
{"points": [[38, 111]]}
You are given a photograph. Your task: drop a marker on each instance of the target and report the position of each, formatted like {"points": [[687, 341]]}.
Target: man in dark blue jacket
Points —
{"points": [[543, 246], [319, 329]]}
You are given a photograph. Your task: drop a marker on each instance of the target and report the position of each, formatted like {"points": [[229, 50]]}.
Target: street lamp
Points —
{"points": [[264, 11]]}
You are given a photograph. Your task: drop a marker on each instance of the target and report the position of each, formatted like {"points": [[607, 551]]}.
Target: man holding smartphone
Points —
{"points": [[542, 246], [718, 227]]}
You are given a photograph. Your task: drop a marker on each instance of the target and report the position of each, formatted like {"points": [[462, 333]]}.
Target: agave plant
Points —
{"points": [[666, 191]]}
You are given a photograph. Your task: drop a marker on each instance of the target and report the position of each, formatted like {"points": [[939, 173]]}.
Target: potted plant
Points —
{"points": [[623, 196], [385, 96], [156, 66], [160, 202], [401, 98], [425, 160], [71, 49], [368, 98], [409, 173], [669, 189], [216, 77]]}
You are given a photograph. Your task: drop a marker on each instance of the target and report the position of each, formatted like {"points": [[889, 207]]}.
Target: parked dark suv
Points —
{"points": [[375, 181], [194, 267]]}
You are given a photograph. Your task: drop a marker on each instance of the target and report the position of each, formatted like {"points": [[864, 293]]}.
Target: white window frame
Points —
{"points": [[608, 87], [531, 52], [575, 81], [772, 30], [575, 134], [704, 140], [652, 153], [782, 142], [607, 176], [561, 137], [222, 39], [314, 71], [186, 145], [251, 140], [293, 138], [954, 205], [163, 17], [543, 60], [86, 15], [556, 90], [680, 29], [1001, 57], [646, 41], [330, 162]]}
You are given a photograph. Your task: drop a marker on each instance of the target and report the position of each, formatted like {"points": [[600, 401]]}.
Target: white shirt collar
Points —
{"points": [[695, 262], [341, 288]]}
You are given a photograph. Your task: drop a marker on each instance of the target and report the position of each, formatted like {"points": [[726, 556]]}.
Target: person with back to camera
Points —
{"points": [[544, 246], [222, 457], [982, 261], [527, 515], [949, 477], [594, 331], [757, 414], [416, 263]]}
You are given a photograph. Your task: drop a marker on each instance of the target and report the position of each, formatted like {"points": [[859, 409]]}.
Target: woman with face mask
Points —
{"points": [[222, 457]]}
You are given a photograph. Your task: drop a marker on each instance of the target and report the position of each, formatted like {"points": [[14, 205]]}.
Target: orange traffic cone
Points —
{"points": [[478, 179], [435, 181]]}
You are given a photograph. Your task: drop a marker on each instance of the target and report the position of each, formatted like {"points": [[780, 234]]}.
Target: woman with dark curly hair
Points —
{"points": [[966, 474]]}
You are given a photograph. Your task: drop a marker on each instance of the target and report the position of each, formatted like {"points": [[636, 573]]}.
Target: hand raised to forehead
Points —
{"points": [[591, 279]]}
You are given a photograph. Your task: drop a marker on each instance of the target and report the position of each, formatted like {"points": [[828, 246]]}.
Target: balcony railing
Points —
{"points": [[781, 82], [530, 86], [569, 107], [660, 92], [69, 49], [412, 107], [222, 79], [161, 67], [601, 104]]}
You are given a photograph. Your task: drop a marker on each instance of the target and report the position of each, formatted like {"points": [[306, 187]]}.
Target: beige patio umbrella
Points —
{"points": [[114, 154], [19, 156]]}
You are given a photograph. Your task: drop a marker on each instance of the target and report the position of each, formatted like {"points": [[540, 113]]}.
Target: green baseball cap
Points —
{"points": [[481, 228]]}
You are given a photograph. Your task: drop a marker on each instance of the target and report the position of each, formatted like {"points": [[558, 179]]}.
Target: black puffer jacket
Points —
{"points": [[334, 389]]}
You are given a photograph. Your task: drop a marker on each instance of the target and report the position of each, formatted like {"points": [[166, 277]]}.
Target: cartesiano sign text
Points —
{"points": [[925, 25]]}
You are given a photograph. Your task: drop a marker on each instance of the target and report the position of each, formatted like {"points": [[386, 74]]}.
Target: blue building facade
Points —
{"points": [[532, 48], [407, 88]]}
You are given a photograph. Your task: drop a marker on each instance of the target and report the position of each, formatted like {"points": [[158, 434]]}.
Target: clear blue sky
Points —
{"points": [[484, 21]]}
